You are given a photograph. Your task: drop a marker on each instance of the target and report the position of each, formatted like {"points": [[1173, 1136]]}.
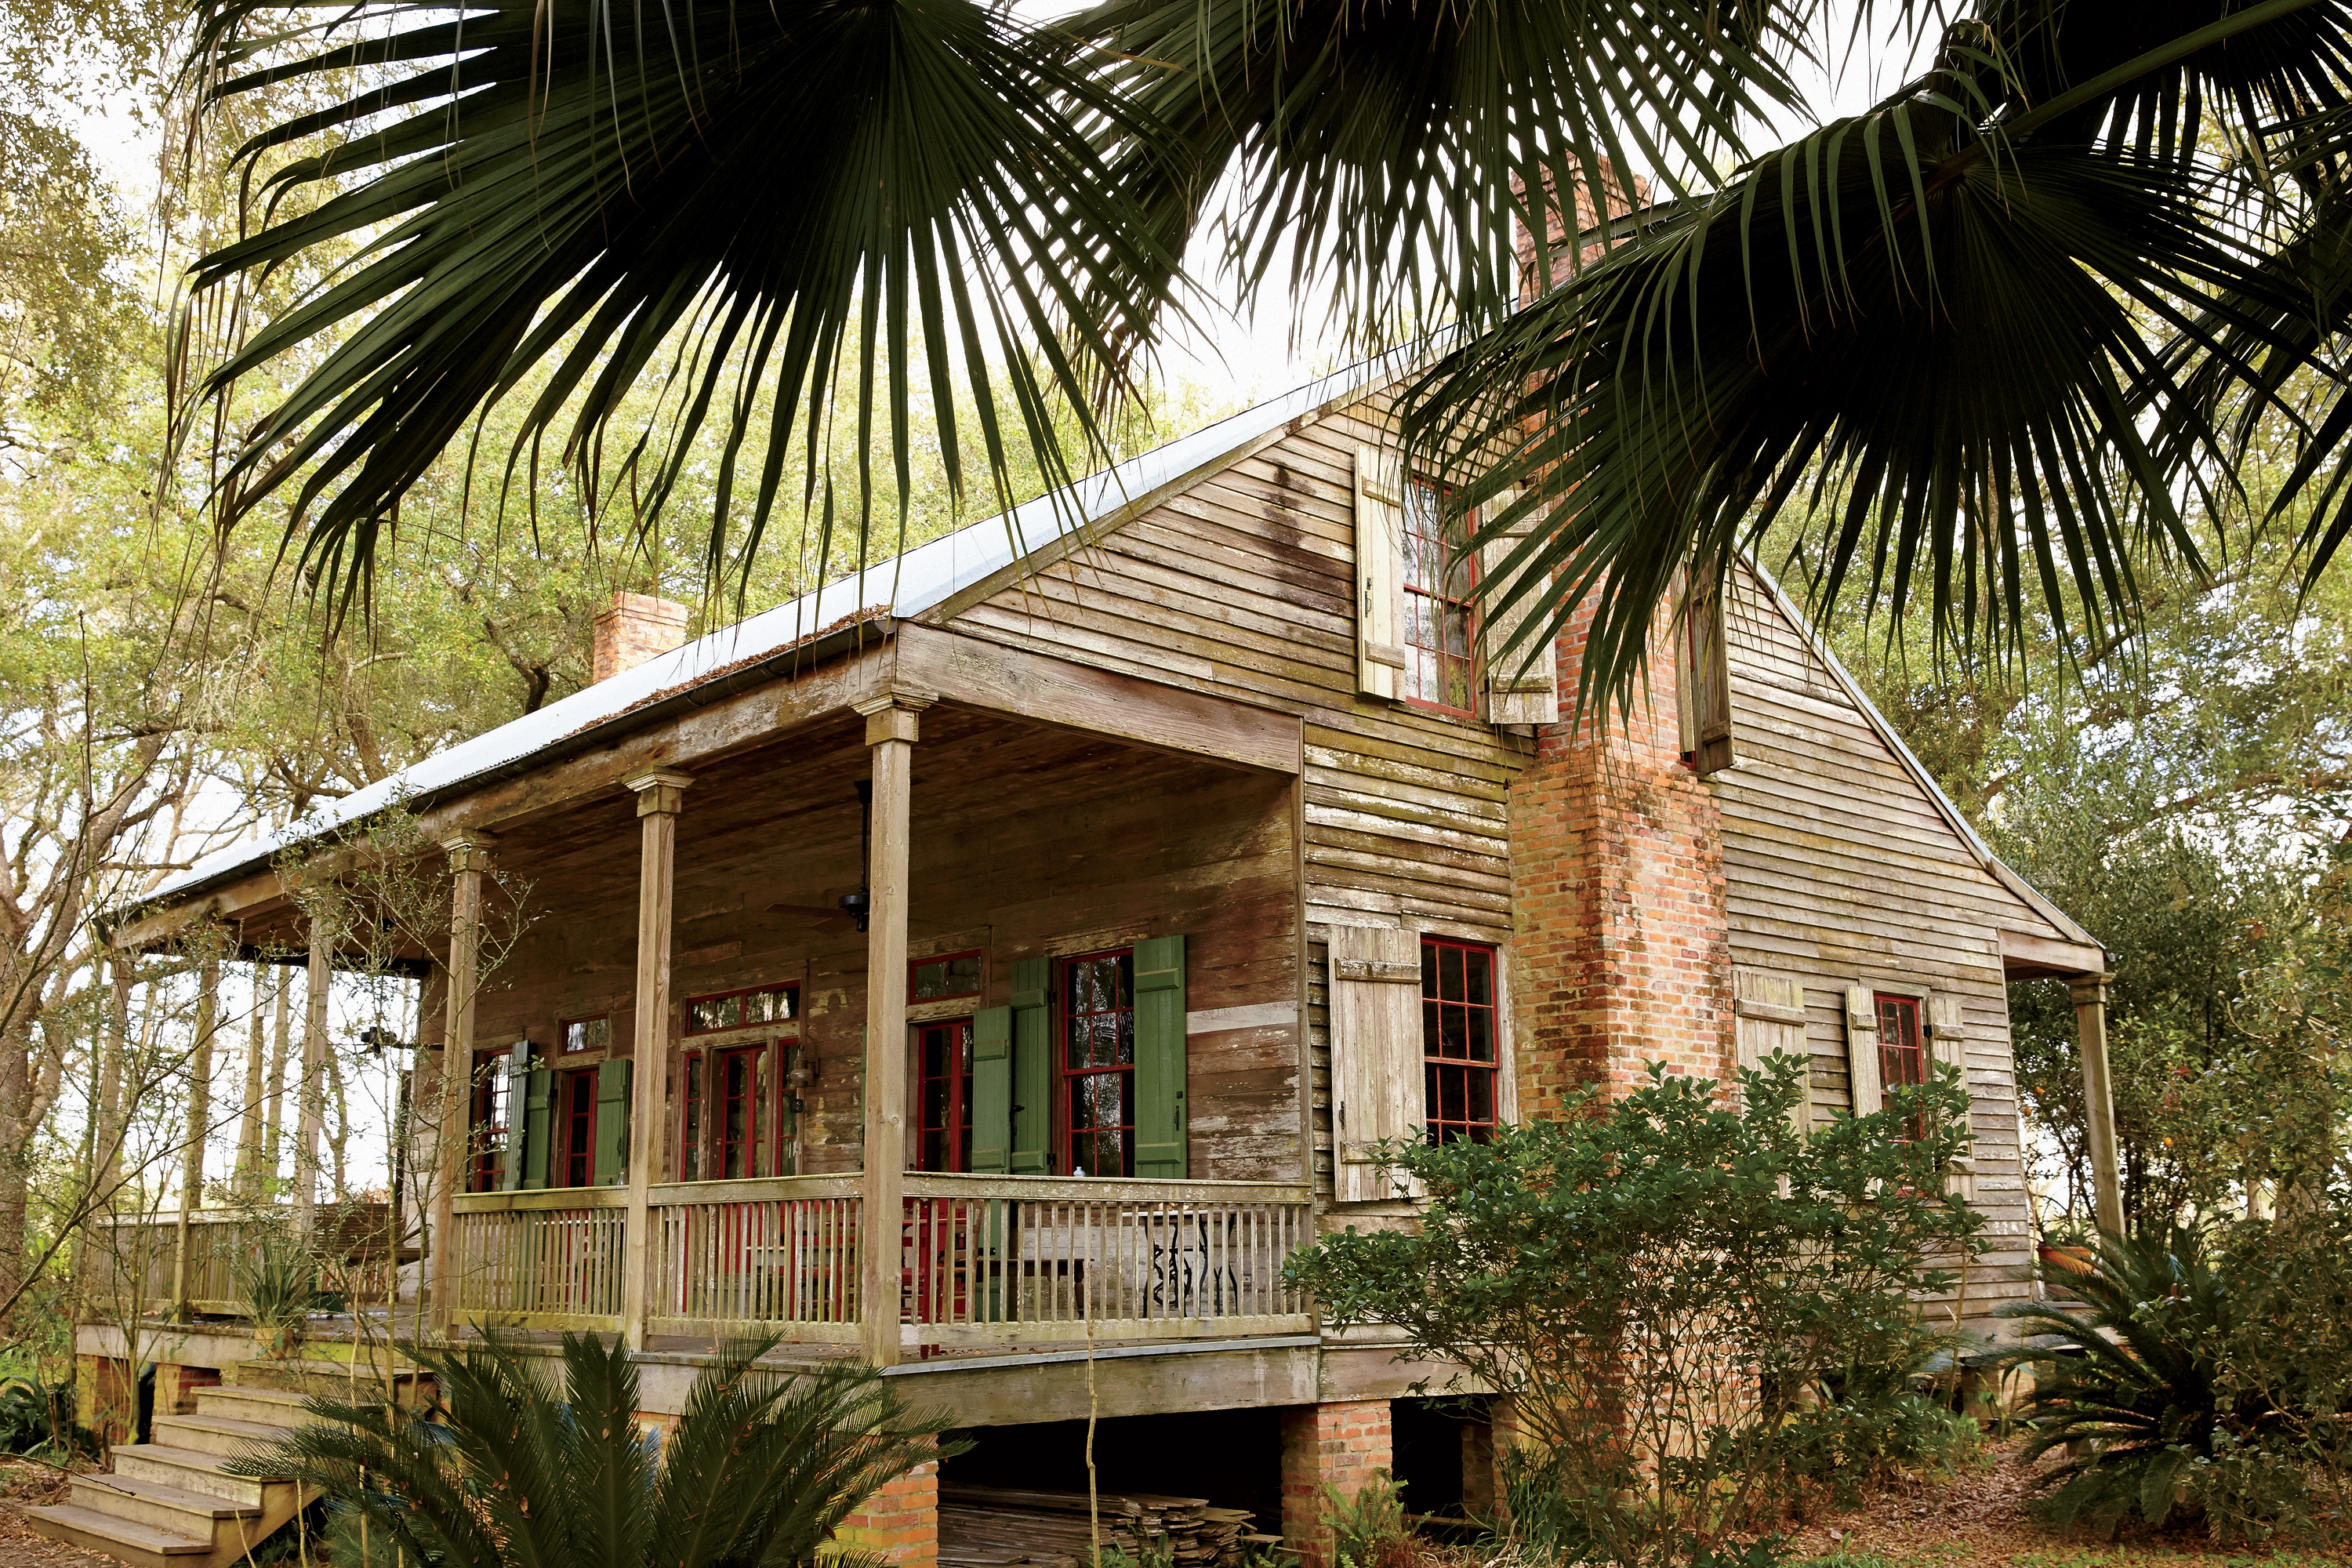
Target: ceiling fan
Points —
{"points": [[853, 907]]}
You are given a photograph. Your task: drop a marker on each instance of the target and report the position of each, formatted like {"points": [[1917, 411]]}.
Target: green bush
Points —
{"points": [[1655, 1282], [1871, 1423], [2210, 1380], [41, 1421], [1368, 1526]]}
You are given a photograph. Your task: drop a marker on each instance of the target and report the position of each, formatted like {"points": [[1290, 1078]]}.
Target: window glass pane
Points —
{"points": [[691, 1152], [755, 1006], [587, 1034], [1479, 965], [1459, 1040], [958, 974], [711, 1013]]}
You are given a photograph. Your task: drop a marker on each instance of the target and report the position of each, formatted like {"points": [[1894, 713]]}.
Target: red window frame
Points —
{"points": [[575, 1129], [487, 1123], [1437, 602], [725, 1096], [1902, 1049], [790, 991], [595, 1034], [1461, 1040], [943, 1095], [915, 966], [1098, 1063]]}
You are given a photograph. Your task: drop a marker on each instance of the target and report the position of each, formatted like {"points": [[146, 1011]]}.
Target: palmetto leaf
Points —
{"points": [[1386, 147], [1940, 325], [746, 208], [512, 1469]]}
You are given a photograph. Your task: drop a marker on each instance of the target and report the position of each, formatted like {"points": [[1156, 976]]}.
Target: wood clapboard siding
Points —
{"points": [[1243, 586], [1840, 870]]}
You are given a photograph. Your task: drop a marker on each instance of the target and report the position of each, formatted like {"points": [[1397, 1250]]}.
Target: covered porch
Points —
{"points": [[1065, 902]]}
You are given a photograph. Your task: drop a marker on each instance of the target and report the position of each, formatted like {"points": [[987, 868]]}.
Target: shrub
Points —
{"points": [[1655, 1282], [1368, 1527], [1871, 1423]]}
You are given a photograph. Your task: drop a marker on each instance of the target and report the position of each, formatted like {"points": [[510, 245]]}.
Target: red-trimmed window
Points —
{"points": [[1098, 1064], [943, 1095], [689, 1132], [1438, 626], [1458, 1038], [586, 1034], [487, 1124], [741, 1009], [574, 1165], [949, 976], [1901, 1056], [735, 1090]]}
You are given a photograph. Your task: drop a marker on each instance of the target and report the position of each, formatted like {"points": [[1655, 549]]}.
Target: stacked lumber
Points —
{"points": [[997, 1526]]}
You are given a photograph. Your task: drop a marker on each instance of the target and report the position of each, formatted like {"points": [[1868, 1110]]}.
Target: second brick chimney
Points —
{"points": [[633, 629]]}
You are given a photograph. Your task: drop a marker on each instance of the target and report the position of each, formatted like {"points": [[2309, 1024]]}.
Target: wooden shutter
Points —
{"points": [[1380, 570], [538, 1127], [612, 1151], [517, 1071], [1703, 677], [1522, 682], [1376, 1053], [1862, 1051], [1032, 1069], [1768, 1016], [1159, 1144], [992, 1089], [1947, 1040]]}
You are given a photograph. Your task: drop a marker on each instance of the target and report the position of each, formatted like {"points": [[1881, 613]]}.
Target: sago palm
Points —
{"points": [[510, 1468], [1997, 332]]}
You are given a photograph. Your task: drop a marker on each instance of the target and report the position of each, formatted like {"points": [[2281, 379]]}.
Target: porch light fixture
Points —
{"points": [[799, 1079], [861, 904]]}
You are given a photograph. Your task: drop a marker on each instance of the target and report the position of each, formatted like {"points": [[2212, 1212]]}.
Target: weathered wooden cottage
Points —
{"points": [[1026, 941]]}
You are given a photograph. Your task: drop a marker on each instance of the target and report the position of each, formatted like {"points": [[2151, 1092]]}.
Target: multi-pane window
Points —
{"points": [[486, 1172], [1457, 1040], [1098, 1064], [587, 1035], [943, 1095], [741, 1009], [1437, 615], [736, 1087], [949, 974], [1902, 1057], [574, 1165]]}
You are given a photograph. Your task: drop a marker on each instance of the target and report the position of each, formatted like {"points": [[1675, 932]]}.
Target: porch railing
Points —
{"points": [[985, 1261], [132, 1262]]}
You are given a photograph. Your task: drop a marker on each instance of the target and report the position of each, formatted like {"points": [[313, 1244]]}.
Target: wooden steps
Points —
{"points": [[170, 1504]]}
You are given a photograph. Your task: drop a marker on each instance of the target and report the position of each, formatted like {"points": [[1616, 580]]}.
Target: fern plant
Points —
{"points": [[2141, 1400], [509, 1468]]}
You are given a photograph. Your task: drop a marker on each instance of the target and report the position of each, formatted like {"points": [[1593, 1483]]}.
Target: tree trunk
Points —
{"points": [[343, 1132], [15, 1101]]}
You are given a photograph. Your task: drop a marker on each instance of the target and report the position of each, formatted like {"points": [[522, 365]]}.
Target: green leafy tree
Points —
{"points": [[1659, 1283], [508, 1467]]}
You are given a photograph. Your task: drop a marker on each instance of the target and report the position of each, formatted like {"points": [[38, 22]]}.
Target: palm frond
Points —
{"points": [[742, 211], [1392, 150]]}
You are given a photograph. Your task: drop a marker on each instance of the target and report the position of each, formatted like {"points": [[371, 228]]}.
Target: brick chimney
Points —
{"points": [[633, 629], [1559, 237]]}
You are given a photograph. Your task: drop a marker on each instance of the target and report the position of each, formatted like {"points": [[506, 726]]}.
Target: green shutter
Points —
{"points": [[992, 1089], [1160, 1150], [612, 1151], [1032, 1068], [538, 1127]]}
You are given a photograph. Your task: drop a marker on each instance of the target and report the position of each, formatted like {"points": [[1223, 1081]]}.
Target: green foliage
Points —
{"points": [[1869, 1421], [277, 1286], [2211, 1374], [1368, 1525], [509, 1468], [1655, 1282], [36, 1420]]}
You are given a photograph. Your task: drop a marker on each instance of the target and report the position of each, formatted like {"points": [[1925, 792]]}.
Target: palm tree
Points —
{"points": [[506, 1469], [1994, 332]]}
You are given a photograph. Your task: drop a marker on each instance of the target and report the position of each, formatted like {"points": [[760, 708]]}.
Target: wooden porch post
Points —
{"points": [[892, 726], [660, 795], [2099, 1099], [469, 856], [314, 1105], [192, 1155]]}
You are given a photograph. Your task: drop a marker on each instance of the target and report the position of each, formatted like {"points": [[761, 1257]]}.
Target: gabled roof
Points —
{"points": [[903, 586]]}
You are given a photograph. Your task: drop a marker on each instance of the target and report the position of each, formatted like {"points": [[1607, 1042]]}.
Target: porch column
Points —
{"points": [[469, 858], [192, 1154], [660, 795], [2099, 1099], [313, 1101], [891, 725]]}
